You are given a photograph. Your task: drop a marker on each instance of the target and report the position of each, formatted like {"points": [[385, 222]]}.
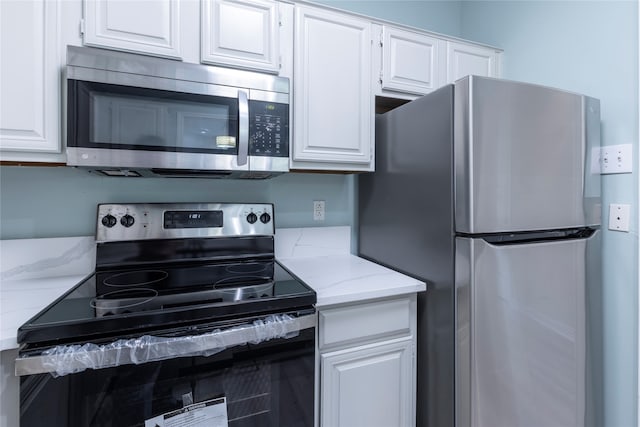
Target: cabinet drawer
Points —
{"points": [[361, 323]]}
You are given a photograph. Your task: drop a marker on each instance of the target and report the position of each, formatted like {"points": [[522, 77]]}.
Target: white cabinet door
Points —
{"points": [[368, 386], [464, 59], [29, 78], [333, 106], [150, 27], [241, 33], [410, 61]]}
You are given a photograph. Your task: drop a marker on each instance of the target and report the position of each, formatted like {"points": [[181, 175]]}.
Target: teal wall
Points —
{"points": [[589, 47], [56, 202]]}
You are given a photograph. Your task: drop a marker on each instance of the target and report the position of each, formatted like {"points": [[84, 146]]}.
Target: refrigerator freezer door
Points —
{"points": [[522, 337], [523, 157]]}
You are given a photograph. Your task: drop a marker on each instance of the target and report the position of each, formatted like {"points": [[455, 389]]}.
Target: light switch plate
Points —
{"points": [[619, 217], [616, 159]]}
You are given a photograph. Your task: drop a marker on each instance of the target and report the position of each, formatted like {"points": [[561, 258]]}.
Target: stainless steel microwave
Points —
{"points": [[136, 115]]}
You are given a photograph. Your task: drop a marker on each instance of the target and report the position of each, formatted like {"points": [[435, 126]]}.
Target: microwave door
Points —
{"points": [[142, 128]]}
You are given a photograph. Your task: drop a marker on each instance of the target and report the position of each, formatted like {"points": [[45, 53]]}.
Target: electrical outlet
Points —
{"points": [[318, 210], [619, 217], [616, 159]]}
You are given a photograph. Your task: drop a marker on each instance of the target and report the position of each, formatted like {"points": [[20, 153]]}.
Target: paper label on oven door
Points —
{"points": [[210, 413]]}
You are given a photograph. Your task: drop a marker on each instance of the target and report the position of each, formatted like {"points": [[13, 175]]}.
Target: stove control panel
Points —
{"points": [[138, 221]]}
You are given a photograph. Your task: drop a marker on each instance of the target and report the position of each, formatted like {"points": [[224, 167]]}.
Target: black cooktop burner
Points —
{"points": [[128, 279]]}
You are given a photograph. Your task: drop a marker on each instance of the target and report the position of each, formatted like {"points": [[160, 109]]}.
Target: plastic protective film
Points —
{"points": [[69, 359]]}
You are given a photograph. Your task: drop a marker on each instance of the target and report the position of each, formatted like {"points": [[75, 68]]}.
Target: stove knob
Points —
{"points": [[252, 218], [265, 218], [127, 220], [109, 220]]}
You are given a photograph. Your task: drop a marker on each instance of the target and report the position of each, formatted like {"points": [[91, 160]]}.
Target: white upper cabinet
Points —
{"points": [[333, 106], [241, 33], [411, 62], [466, 59], [150, 27], [29, 80], [338, 63]]}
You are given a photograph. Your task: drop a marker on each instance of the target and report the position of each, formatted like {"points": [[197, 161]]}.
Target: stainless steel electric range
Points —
{"points": [[188, 317]]}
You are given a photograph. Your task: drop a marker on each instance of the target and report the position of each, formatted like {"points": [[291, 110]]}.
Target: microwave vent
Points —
{"points": [[119, 173]]}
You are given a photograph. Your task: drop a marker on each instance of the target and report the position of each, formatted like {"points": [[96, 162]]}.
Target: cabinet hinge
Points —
{"points": [[82, 29], [380, 77]]}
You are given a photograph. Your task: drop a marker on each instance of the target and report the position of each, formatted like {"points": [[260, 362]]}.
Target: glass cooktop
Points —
{"points": [[124, 301]]}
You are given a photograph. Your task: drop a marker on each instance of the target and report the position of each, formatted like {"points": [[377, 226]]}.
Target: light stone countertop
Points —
{"points": [[34, 272], [320, 257], [22, 299]]}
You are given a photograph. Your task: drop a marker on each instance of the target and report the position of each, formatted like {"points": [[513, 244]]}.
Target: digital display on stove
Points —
{"points": [[192, 219]]}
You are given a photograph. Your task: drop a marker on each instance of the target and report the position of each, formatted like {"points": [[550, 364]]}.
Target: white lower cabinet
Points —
{"points": [[368, 386], [367, 363]]}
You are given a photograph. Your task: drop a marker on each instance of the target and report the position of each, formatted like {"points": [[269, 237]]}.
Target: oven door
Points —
{"points": [[258, 382]]}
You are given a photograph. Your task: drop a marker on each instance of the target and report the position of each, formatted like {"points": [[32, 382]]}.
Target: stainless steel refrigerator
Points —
{"points": [[489, 191]]}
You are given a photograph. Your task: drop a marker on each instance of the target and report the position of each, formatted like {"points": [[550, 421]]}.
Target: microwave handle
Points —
{"points": [[243, 127]]}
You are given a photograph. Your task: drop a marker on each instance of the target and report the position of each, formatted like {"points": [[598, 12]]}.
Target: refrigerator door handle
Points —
{"points": [[535, 236]]}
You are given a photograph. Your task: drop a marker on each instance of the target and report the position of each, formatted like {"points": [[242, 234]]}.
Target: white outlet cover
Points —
{"points": [[318, 210], [619, 217], [616, 159]]}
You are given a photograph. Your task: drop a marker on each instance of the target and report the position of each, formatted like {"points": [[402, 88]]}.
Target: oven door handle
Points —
{"points": [[67, 359]]}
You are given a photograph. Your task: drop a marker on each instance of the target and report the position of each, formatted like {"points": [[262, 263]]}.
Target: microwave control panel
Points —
{"points": [[268, 129]]}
